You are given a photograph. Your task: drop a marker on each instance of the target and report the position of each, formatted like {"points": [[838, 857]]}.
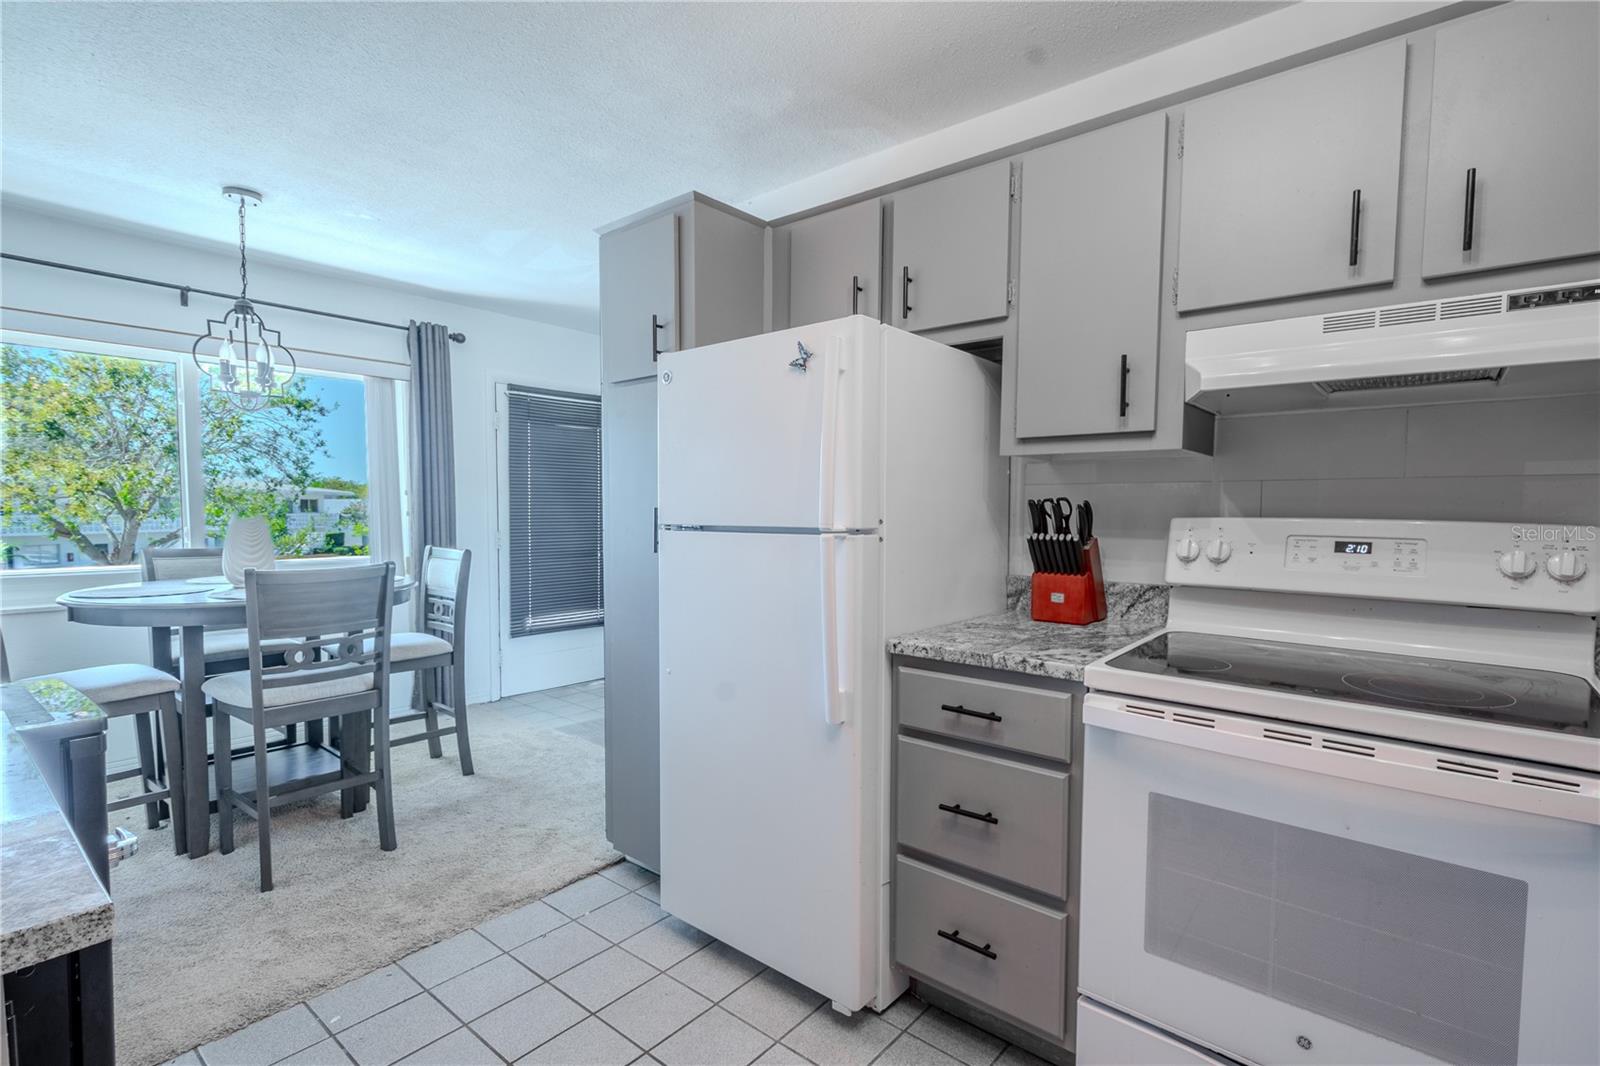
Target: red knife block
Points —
{"points": [[1074, 599]]}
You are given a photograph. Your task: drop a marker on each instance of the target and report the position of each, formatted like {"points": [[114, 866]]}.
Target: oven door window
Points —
{"points": [[1428, 954], [1285, 904]]}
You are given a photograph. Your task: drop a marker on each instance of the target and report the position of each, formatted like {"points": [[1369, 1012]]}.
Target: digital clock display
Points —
{"points": [[1352, 547]]}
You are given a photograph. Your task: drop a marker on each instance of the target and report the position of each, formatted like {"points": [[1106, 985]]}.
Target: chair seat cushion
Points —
{"points": [[234, 689], [118, 681], [403, 646]]}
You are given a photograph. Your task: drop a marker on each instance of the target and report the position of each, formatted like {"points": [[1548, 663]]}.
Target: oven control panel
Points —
{"points": [[1489, 564], [1355, 555]]}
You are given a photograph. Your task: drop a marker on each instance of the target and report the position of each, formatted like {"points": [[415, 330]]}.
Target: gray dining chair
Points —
{"points": [[437, 653], [343, 673], [150, 696], [226, 650]]}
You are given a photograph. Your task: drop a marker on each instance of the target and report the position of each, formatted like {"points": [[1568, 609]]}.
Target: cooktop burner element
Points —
{"points": [[1421, 690], [1533, 699]]}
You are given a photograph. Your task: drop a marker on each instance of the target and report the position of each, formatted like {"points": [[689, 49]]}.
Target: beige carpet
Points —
{"points": [[198, 952]]}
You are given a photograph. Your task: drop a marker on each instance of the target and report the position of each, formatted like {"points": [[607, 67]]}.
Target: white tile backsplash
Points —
{"points": [[1514, 460]]}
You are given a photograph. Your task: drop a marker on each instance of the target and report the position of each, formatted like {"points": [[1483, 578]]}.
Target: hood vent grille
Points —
{"points": [[1404, 316], [1351, 320], [1409, 381], [1471, 306]]}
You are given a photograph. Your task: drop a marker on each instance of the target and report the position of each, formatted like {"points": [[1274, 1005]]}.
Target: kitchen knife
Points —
{"points": [[1085, 522]]}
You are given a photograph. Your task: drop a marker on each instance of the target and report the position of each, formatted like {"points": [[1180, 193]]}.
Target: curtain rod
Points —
{"points": [[183, 292]]}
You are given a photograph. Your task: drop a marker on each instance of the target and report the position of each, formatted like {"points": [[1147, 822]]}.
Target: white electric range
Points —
{"points": [[1345, 807]]}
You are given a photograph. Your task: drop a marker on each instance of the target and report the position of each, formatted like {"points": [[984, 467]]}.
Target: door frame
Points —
{"points": [[500, 593]]}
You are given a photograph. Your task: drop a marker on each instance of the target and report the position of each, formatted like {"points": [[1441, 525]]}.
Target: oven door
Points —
{"points": [[1291, 895]]}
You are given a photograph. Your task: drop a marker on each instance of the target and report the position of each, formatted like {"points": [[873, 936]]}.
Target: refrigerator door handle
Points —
{"points": [[832, 695], [828, 438]]}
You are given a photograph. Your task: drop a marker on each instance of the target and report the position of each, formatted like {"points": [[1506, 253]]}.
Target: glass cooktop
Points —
{"points": [[1535, 699]]}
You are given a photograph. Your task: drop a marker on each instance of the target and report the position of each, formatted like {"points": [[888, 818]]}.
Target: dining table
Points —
{"points": [[189, 606]]}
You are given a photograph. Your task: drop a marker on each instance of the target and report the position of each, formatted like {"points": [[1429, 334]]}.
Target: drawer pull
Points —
{"points": [[956, 708], [956, 808], [955, 937]]}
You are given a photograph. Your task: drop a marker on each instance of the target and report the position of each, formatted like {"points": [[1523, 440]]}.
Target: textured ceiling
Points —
{"points": [[472, 147]]}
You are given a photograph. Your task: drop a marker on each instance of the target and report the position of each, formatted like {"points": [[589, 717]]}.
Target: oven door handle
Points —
{"points": [[1552, 792]]}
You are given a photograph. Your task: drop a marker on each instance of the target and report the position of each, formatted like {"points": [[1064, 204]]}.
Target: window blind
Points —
{"points": [[553, 459]]}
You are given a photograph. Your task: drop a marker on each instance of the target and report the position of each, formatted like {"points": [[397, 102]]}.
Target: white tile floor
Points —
{"points": [[595, 973]]}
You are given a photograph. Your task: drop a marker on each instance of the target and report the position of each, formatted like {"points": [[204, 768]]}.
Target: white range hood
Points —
{"points": [[1498, 345]]}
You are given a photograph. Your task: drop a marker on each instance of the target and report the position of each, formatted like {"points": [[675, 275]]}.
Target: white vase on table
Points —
{"points": [[247, 545]]}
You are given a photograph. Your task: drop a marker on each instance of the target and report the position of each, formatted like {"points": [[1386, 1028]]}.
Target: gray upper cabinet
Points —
{"points": [[1514, 139], [1290, 184], [952, 243], [638, 297], [1088, 306], [836, 263]]}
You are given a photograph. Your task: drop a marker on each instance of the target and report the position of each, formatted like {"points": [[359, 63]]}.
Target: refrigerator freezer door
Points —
{"points": [[771, 710], [774, 431]]}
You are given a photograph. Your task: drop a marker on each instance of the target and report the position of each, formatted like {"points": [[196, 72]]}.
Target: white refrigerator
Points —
{"points": [[821, 490]]}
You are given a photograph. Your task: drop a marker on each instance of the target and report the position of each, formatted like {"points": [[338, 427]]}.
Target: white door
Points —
{"points": [[771, 706], [1338, 899], [773, 431]]}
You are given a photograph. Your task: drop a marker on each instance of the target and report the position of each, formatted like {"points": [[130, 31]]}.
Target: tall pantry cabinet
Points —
{"points": [[686, 273]]}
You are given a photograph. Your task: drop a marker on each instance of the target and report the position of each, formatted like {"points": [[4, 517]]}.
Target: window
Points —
{"points": [[300, 462], [553, 504], [99, 461], [89, 466]]}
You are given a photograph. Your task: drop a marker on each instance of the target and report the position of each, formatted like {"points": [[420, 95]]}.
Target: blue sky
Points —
{"points": [[344, 428]]}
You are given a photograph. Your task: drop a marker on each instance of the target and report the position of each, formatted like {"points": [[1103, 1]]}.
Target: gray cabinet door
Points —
{"points": [[1089, 280], [633, 774], [835, 263], [952, 243], [638, 279], [1270, 176], [1515, 130]]}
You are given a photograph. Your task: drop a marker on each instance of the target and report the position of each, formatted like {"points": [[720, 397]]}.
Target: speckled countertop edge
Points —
{"points": [[51, 901], [1014, 641]]}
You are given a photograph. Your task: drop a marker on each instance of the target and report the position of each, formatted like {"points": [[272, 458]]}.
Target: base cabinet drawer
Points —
{"points": [[1003, 952], [1033, 720], [1001, 817]]}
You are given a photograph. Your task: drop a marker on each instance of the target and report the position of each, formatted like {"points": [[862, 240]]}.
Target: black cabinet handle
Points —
{"points": [[1472, 203], [1122, 386], [956, 708], [905, 293], [955, 937], [1355, 227], [855, 293], [656, 326], [956, 808]]}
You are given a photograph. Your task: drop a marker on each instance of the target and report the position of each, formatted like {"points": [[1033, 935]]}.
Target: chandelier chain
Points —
{"points": [[244, 276]]}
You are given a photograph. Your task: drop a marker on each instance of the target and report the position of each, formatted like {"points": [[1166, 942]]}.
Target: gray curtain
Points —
{"points": [[433, 504]]}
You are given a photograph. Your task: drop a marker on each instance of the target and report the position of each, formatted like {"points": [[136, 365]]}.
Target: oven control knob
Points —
{"points": [[1518, 564], [1218, 551], [1188, 550], [1566, 566]]}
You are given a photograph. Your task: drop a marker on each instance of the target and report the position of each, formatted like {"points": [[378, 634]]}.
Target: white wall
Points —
{"points": [[499, 347], [1512, 461]]}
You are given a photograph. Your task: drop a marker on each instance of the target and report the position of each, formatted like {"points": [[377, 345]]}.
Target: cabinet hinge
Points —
{"points": [[1174, 286], [1180, 137], [1011, 292], [1016, 185]]}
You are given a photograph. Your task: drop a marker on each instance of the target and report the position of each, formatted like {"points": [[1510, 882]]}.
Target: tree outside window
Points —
{"points": [[91, 468]]}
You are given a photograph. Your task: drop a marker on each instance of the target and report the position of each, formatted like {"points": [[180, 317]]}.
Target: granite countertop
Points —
{"points": [[1014, 641], [51, 901]]}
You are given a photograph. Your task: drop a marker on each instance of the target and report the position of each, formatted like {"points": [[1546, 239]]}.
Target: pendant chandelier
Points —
{"points": [[240, 355]]}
